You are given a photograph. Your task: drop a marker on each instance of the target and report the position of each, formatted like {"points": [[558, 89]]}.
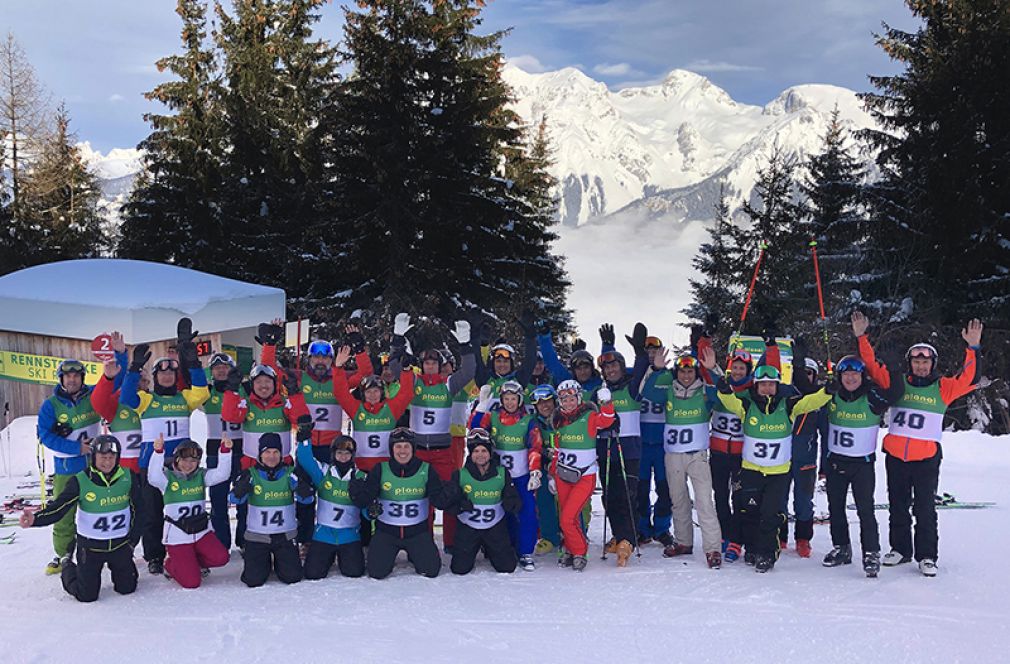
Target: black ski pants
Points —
{"points": [[280, 554], [151, 518], [420, 548], [757, 514], [843, 473], [725, 481], [912, 485], [83, 579], [350, 559], [620, 491], [495, 542]]}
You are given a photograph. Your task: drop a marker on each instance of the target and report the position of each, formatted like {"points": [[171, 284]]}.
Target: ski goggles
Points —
{"points": [[221, 358], [686, 362], [401, 435], [570, 392], [383, 359], [189, 453], [510, 387], [767, 373], [608, 357], [850, 363], [262, 370], [742, 355], [371, 382], [582, 362], [320, 348], [505, 353], [165, 364], [543, 393], [105, 445], [653, 342], [478, 434], [922, 351], [71, 366]]}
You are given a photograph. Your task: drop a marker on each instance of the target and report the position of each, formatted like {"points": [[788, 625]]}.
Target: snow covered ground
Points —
{"points": [[654, 610]]}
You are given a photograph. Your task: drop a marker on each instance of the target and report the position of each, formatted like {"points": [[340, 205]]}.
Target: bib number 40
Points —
{"points": [[910, 420]]}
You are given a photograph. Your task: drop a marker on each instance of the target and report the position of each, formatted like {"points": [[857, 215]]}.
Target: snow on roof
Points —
{"points": [[80, 299]]}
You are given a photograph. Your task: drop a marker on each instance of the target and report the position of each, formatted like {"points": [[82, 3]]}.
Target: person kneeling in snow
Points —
{"points": [[270, 488], [188, 536], [105, 496], [482, 493]]}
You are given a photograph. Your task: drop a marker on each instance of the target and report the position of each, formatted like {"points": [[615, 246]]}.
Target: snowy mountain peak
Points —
{"points": [[118, 163], [820, 97]]}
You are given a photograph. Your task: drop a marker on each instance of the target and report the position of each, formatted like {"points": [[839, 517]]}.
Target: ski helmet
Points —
{"points": [[188, 449], [503, 350], [570, 388], [511, 387], [653, 342], [611, 356], [70, 366], [263, 370], [221, 358], [320, 348], [543, 393], [810, 364], [370, 382], [105, 444], [479, 437], [580, 357], [164, 364], [401, 435], [850, 363], [342, 442], [921, 350], [741, 355], [686, 361]]}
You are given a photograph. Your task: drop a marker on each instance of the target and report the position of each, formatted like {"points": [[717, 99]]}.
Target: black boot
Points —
{"points": [[840, 555]]}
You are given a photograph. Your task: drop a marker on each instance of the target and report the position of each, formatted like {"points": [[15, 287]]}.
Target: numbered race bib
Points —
{"points": [[172, 428], [271, 520], [483, 517], [767, 452], [651, 412], [251, 443], [103, 525], [852, 441], [89, 432], [178, 511], [517, 462], [681, 438], [327, 417], [336, 515], [218, 428], [430, 420], [578, 458], [131, 442], [404, 513], [919, 424], [631, 423], [371, 444], [726, 426]]}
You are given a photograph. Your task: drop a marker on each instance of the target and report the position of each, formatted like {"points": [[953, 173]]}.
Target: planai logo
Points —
{"points": [[386, 486], [175, 486], [752, 421], [467, 488], [361, 416], [306, 389], [90, 496], [250, 417], [257, 489], [63, 418], [327, 484]]}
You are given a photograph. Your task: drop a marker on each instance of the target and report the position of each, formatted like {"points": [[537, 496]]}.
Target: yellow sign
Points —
{"points": [[40, 368]]}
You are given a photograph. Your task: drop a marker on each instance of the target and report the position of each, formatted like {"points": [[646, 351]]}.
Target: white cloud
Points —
{"points": [[618, 69], [528, 63], [704, 66], [116, 97]]}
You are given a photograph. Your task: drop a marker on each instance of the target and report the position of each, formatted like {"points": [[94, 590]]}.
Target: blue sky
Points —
{"points": [[99, 55]]}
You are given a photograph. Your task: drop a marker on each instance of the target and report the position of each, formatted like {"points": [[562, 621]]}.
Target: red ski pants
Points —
{"points": [[185, 560], [571, 499]]}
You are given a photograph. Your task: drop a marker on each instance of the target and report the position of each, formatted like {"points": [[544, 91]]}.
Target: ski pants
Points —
{"points": [[912, 485], [620, 491], [64, 530], [523, 527], [494, 540], [420, 548], [365, 465], [350, 559], [804, 483], [572, 498], [693, 466], [185, 561], [279, 554], [151, 517], [219, 492], [845, 472], [653, 520], [725, 482], [757, 514], [83, 579], [443, 462], [305, 513], [547, 508]]}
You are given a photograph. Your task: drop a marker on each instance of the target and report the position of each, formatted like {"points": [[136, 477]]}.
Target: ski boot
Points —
{"points": [[156, 567], [892, 558], [624, 551], [543, 546], [803, 548], [764, 564], [840, 555], [750, 558], [55, 566], [204, 572], [611, 546], [714, 559], [928, 567], [733, 551], [783, 545], [643, 540], [871, 563], [526, 562], [579, 563], [677, 550], [666, 539], [565, 559]]}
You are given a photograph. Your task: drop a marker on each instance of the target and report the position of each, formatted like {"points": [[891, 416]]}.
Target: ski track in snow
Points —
{"points": [[654, 609]]}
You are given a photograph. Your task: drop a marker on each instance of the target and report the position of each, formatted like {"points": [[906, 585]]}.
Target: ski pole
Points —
{"points": [[627, 493], [753, 282], [606, 493], [820, 302], [40, 461]]}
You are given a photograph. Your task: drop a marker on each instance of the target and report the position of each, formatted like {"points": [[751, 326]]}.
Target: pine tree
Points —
{"points": [[60, 196], [717, 296], [945, 197], [173, 212]]}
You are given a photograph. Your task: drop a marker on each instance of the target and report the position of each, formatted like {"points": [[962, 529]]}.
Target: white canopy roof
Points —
{"points": [[81, 299]]}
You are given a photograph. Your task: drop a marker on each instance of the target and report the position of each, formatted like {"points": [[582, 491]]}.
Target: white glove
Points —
{"points": [[604, 395], [534, 481], [552, 486], [462, 332], [484, 399], [401, 324]]}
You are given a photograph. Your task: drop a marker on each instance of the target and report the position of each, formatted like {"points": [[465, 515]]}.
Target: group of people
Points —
{"points": [[330, 462]]}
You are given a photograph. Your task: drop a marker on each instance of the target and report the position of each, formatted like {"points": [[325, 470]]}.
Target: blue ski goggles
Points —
{"points": [[850, 363], [320, 348]]}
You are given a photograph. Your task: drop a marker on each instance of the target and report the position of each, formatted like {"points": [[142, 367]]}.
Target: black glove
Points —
{"points": [[526, 322], [723, 385], [356, 340], [374, 510], [242, 485], [304, 489], [234, 379], [800, 348], [188, 357], [63, 430], [696, 334], [637, 338], [769, 332], [543, 327], [484, 332], [831, 387], [291, 381], [141, 356], [607, 334], [464, 504], [184, 331], [305, 427], [268, 334], [710, 324], [578, 344]]}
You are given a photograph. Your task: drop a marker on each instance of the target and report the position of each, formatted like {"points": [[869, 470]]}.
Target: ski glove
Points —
{"points": [[291, 382], [242, 485], [526, 323], [141, 356], [485, 398], [234, 379], [63, 430], [305, 427], [462, 332], [607, 334], [543, 327], [184, 331], [578, 344], [356, 340], [552, 486], [604, 395], [268, 334], [464, 504], [304, 488], [485, 333], [374, 510], [188, 357], [401, 324], [637, 338], [534, 482]]}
